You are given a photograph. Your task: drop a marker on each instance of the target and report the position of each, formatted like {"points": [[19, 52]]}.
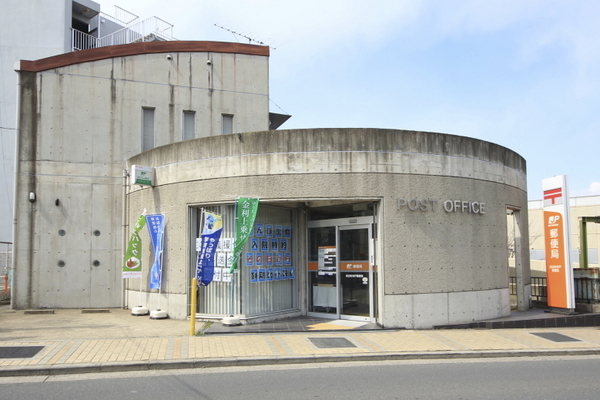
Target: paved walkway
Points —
{"points": [[72, 342]]}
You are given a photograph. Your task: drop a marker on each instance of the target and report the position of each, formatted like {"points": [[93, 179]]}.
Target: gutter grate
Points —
{"points": [[556, 337], [331, 342], [20, 351]]}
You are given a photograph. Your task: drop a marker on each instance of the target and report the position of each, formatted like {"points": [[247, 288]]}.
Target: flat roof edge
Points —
{"points": [[101, 53]]}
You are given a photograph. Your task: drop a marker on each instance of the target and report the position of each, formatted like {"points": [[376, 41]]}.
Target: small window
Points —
{"points": [[147, 128], [227, 127], [189, 125]]}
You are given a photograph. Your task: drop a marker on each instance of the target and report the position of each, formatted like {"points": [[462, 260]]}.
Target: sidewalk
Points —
{"points": [[70, 341]]}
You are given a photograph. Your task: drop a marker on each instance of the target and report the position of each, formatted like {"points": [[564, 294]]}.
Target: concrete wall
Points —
{"points": [[436, 266], [79, 117], [29, 30]]}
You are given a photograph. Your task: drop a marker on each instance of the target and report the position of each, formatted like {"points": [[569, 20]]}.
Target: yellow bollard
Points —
{"points": [[193, 290]]}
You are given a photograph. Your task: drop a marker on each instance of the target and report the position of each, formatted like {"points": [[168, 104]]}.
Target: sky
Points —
{"points": [[523, 74]]}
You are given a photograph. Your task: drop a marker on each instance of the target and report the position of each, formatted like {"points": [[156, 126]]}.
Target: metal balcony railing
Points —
{"points": [[587, 290], [121, 16], [148, 30]]}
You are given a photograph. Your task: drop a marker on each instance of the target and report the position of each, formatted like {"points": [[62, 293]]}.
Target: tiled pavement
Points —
{"points": [[74, 342]]}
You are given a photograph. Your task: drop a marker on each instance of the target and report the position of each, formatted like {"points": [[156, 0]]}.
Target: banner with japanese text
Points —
{"points": [[559, 273], [209, 240], [156, 229], [132, 264], [245, 213]]}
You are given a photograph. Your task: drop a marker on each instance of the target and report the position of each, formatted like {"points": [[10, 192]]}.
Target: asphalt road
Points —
{"points": [[507, 378]]}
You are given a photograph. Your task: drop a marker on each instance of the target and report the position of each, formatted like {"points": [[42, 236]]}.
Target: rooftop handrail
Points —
{"points": [[124, 15], [121, 16], [139, 31], [147, 29], [82, 41]]}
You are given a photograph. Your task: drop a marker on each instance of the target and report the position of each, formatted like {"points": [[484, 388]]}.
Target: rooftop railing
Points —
{"points": [[148, 30]]}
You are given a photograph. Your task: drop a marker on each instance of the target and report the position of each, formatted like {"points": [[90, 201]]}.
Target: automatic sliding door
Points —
{"points": [[322, 269], [355, 273], [340, 275]]}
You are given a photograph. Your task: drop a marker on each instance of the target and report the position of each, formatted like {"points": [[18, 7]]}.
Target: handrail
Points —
{"points": [[142, 31], [82, 41]]}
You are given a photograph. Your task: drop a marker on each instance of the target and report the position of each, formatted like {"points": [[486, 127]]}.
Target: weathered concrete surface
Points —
{"points": [[77, 124], [442, 254]]}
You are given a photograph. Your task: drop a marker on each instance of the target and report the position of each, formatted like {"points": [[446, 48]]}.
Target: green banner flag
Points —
{"points": [[245, 213], [132, 264]]}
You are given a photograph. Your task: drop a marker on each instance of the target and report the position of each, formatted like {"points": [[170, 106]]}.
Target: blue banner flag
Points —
{"points": [[156, 229], [211, 233]]}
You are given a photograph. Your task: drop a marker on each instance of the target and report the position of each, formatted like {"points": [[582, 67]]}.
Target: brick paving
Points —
{"points": [[117, 341]]}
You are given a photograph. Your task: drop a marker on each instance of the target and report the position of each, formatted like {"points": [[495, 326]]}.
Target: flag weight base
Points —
{"points": [[158, 314], [231, 321], [139, 310]]}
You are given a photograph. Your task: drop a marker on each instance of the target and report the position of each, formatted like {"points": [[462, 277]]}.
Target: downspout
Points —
{"points": [[124, 304], [583, 256]]}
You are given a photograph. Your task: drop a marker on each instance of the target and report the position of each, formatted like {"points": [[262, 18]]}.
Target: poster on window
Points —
{"points": [[258, 259], [259, 230], [217, 275], [226, 275], [221, 259]]}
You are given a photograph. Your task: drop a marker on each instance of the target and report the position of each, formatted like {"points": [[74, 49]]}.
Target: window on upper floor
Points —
{"points": [[227, 124], [147, 128], [189, 125]]}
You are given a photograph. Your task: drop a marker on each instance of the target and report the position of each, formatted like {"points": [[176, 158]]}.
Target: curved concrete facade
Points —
{"points": [[439, 211]]}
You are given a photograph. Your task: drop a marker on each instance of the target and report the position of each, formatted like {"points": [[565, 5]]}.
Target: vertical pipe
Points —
{"points": [[124, 233], [193, 297], [583, 256]]}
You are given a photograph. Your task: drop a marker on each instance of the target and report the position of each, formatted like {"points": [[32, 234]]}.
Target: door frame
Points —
{"points": [[345, 224]]}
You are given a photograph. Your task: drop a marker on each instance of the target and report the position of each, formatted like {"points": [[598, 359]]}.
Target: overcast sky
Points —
{"points": [[524, 74]]}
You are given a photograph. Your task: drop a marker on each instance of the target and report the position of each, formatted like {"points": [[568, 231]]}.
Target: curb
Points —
{"points": [[55, 370]]}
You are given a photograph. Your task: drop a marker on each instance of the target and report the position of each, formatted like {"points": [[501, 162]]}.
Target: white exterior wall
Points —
{"points": [[29, 30], [78, 124]]}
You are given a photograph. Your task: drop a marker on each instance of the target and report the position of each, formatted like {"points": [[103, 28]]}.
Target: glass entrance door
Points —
{"points": [[340, 269], [355, 271]]}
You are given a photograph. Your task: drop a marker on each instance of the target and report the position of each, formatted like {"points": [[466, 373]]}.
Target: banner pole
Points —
{"points": [[232, 294], [193, 298], [232, 282]]}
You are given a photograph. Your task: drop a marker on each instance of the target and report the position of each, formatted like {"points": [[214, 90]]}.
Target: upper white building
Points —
{"points": [[35, 29]]}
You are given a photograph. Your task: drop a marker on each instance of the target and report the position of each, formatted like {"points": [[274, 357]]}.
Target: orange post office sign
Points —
{"points": [[559, 274]]}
